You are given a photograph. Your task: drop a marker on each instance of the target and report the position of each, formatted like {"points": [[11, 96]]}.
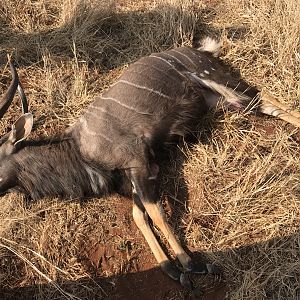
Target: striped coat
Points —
{"points": [[155, 99]]}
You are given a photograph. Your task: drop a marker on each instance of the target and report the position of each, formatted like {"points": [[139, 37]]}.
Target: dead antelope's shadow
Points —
{"points": [[104, 38]]}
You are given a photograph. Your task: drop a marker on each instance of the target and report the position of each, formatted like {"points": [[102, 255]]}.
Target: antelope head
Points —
{"points": [[11, 143]]}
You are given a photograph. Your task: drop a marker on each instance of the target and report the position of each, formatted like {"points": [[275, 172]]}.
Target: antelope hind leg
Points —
{"points": [[145, 193]]}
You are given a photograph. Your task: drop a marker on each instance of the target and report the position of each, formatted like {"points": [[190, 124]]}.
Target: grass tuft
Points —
{"points": [[233, 197]]}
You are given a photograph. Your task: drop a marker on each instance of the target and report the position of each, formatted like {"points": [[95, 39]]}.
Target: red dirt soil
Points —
{"points": [[144, 279]]}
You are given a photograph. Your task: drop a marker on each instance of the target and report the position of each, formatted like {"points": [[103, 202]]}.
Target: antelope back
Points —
{"points": [[157, 97]]}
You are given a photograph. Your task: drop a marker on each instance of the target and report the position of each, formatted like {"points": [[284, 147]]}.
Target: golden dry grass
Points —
{"points": [[234, 195]]}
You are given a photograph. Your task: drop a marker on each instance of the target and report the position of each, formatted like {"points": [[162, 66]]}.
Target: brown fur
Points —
{"points": [[56, 168]]}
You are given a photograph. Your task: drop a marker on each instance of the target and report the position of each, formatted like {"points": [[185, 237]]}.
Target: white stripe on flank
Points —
{"points": [[153, 67], [92, 132], [184, 55], [164, 60], [124, 105], [100, 109], [144, 88], [178, 60], [89, 111]]}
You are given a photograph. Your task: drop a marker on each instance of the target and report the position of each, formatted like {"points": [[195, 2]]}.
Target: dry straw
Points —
{"points": [[234, 195]]}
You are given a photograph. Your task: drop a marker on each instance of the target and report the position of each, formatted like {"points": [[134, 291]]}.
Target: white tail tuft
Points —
{"points": [[210, 45]]}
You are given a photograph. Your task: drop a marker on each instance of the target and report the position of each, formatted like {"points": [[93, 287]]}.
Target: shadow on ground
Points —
{"points": [[149, 284]]}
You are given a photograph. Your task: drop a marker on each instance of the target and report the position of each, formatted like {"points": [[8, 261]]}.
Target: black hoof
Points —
{"points": [[213, 269], [200, 268], [186, 282], [171, 270], [197, 293]]}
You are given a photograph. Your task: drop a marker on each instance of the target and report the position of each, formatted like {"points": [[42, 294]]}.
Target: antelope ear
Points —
{"points": [[21, 129]]}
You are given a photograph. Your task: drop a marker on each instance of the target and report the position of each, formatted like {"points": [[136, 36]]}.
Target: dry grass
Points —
{"points": [[241, 184]]}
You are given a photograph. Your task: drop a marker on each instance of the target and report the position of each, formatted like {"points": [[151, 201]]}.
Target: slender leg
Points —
{"points": [[141, 219], [158, 217], [144, 188], [145, 191]]}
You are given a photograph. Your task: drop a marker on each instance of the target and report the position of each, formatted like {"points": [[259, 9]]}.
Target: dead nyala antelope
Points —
{"points": [[157, 99]]}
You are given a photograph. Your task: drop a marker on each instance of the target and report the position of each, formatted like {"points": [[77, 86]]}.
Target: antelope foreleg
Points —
{"points": [[144, 191], [158, 217], [157, 214], [141, 219]]}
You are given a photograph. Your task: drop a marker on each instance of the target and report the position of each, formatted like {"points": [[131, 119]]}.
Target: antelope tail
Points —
{"points": [[270, 106]]}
